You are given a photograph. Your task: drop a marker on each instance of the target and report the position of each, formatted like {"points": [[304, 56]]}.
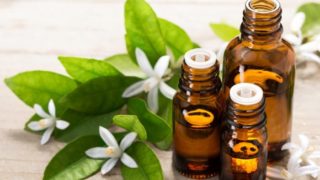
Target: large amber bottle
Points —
{"points": [[260, 56], [244, 135], [197, 116]]}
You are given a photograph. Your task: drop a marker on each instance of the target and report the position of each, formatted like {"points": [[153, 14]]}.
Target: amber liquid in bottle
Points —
{"points": [[262, 57], [196, 117], [244, 135]]}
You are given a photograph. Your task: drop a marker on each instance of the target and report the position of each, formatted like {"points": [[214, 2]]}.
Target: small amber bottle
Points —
{"points": [[197, 116], [260, 56], [244, 135]]}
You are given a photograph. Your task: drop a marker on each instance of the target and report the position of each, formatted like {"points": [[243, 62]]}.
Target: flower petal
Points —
{"points": [[315, 154], [162, 65], [297, 22], [306, 56], [128, 161], [289, 146], [274, 173], [107, 166], [307, 170], [46, 135], [304, 141], [294, 160], [108, 137], [40, 112], [52, 108], [153, 99], [134, 89], [97, 152], [309, 47], [293, 39], [127, 140], [144, 63], [35, 126], [61, 124], [166, 90]]}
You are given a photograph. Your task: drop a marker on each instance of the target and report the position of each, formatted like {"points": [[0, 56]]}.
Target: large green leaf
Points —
{"points": [[149, 167], [157, 129], [82, 125], [38, 87], [176, 38], [71, 162], [143, 30], [311, 25], [125, 65], [130, 123], [224, 31], [100, 95], [83, 69]]}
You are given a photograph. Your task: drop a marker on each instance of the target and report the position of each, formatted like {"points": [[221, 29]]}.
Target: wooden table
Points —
{"points": [[33, 33]]}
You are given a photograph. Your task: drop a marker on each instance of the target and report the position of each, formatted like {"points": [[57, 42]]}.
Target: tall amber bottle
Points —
{"points": [[244, 135], [196, 116], [262, 57]]}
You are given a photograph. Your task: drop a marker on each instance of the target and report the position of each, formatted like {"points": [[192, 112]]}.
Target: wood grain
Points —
{"points": [[33, 33]]}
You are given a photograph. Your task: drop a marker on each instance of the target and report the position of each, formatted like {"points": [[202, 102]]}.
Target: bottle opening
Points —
{"points": [[200, 58], [263, 6], [246, 94]]}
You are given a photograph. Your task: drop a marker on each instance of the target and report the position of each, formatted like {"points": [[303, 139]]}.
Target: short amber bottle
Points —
{"points": [[197, 116], [244, 135], [260, 56]]}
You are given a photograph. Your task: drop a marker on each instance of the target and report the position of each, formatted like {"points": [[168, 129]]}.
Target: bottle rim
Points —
{"points": [[276, 7], [212, 58], [256, 94]]}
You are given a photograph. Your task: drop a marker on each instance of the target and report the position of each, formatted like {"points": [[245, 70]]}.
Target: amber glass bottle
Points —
{"points": [[244, 135], [262, 57], [197, 116]]}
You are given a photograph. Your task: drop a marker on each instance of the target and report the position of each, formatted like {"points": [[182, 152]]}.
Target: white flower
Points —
{"points": [[303, 151], [304, 51], [114, 151], [292, 173], [153, 82], [48, 123]]}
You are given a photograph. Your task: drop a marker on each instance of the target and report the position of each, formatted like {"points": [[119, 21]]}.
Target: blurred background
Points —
{"points": [[33, 33]]}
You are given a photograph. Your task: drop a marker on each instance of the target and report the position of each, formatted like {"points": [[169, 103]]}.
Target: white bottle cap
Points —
{"points": [[246, 94], [200, 58]]}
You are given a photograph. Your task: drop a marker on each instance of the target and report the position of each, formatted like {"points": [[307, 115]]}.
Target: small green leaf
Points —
{"points": [[143, 30], [100, 95], [131, 123], [82, 125], [125, 65], [83, 69], [311, 25], [157, 129], [176, 38], [71, 162], [149, 167], [224, 31], [38, 87]]}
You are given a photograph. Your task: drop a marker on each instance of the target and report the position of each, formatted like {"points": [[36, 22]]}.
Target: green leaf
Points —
{"points": [[38, 87], [143, 30], [131, 123], [176, 38], [224, 31], [149, 167], [100, 95], [83, 69], [125, 65], [82, 125], [311, 25], [157, 129], [71, 162]]}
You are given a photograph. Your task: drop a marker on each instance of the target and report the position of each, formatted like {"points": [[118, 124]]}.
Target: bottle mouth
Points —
{"points": [[246, 94], [263, 6], [200, 58]]}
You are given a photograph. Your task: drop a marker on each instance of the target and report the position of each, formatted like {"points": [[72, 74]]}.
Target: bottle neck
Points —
{"points": [[261, 23], [200, 81], [246, 116]]}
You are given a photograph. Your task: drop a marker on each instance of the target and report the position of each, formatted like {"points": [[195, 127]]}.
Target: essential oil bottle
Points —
{"points": [[197, 116], [260, 56], [244, 135]]}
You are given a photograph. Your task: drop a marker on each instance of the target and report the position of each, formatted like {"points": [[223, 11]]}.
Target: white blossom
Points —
{"points": [[154, 81], [48, 122], [114, 151]]}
